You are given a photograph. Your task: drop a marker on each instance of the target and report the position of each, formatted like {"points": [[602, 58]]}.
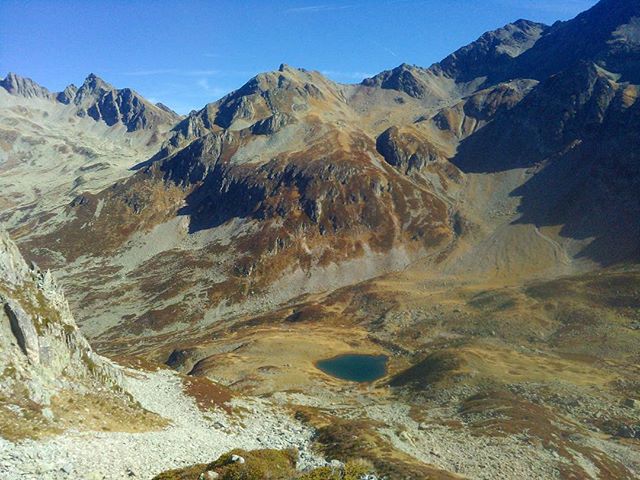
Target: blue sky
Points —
{"points": [[188, 53]]}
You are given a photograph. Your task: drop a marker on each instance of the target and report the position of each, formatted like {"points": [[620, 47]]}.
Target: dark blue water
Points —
{"points": [[354, 367]]}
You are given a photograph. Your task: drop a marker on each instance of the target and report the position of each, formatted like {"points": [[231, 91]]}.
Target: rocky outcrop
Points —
{"points": [[272, 124], [407, 150], [25, 87], [68, 94], [102, 102], [475, 111], [41, 347], [23, 330], [405, 78]]}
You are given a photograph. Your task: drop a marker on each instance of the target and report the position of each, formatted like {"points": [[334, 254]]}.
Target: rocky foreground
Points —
{"points": [[193, 436]]}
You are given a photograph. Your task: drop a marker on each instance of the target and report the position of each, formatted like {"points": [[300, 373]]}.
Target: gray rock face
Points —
{"points": [[25, 87], [492, 52], [67, 95], [24, 330], [272, 124], [101, 101], [606, 34], [405, 78], [406, 151], [40, 344], [13, 268], [486, 58]]}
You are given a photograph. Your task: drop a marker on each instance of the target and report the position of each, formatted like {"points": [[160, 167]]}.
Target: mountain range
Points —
{"points": [[502, 178]]}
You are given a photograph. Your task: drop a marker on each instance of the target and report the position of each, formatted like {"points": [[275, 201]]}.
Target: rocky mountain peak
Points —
{"points": [[607, 34], [95, 82], [490, 54], [164, 108], [103, 102], [25, 87], [284, 94], [68, 94], [93, 86]]}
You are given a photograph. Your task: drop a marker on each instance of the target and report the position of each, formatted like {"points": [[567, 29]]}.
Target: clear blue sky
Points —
{"points": [[188, 53]]}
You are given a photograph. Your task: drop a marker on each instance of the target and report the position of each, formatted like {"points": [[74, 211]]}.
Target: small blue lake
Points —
{"points": [[355, 367]]}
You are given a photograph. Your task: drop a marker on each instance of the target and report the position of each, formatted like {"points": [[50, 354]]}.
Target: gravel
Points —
{"points": [[193, 437]]}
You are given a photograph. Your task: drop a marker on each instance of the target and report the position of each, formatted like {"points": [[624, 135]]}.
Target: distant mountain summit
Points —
{"points": [[101, 101], [24, 87], [608, 34], [467, 69], [80, 138]]}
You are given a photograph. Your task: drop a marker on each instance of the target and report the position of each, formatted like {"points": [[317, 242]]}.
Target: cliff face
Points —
{"points": [[24, 87], [102, 102], [42, 352]]}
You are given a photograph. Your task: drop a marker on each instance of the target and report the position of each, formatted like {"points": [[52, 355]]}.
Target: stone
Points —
{"points": [[627, 431], [631, 403], [48, 413], [209, 475], [24, 330], [237, 459]]}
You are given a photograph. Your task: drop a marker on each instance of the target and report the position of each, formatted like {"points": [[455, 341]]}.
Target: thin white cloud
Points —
{"points": [[384, 48], [171, 71], [565, 7], [370, 4], [212, 90], [346, 75], [319, 8], [390, 52]]}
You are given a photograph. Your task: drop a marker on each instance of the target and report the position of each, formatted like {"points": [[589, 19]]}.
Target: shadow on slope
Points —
{"points": [[576, 133]]}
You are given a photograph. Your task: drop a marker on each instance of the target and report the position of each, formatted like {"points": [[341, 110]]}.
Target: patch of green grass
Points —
{"points": [[267, 464], [258, 464], [351, 471]]}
